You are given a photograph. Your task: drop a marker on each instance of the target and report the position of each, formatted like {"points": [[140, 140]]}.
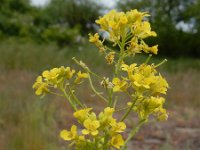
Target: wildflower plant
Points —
{"points": [[142, 83]]}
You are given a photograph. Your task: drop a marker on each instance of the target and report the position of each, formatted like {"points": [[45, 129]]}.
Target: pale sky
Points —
{"points": [[39, 2], [108, 3]]}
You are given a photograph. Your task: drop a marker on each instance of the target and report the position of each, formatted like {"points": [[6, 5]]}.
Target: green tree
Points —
{"points": [[80, 13], [175, 21], [15, 18]]}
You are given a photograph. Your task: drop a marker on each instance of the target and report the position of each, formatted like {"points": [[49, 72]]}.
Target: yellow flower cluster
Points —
{"points": [[129, 27], [110, 57], [143, 84], [56, 78], [98, 43], [147, 85], [103, 128]]}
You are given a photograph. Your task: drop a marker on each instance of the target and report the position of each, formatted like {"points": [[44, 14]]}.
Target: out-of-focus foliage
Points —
{"points": [[81, 13], [15, 17], [176, 23], [61, 21]]}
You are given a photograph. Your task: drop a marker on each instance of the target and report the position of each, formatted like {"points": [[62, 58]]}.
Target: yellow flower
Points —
{"points": [[142, 30], [57, 75], [147, 49], [139, 80], [104, 21], [69, 135], [109, 111], [114, 25], [151, 106], [159, 85], [82, 114], [154, 49], [119, 85], [147, 70], [51, 75], [94, 38], [134, 47], [162, 114], [143, 77], [110, 57], [69, 73], [147, 30], [91, 127], [117, 23], [80, 76], [40, 86], [105, 117], [135, 15], [117, 141], [117, 126], [153, 103], [123, 19], [129, 69]]}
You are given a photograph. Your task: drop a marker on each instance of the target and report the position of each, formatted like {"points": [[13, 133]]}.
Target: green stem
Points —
{"points": [[115, 102], [94, 90], [132, 133], [162, 62], [69, 100], [75, 98], [118, 65], [121, 57], [149, 57], [127, 112], [106, 138], [90, 80], [120, 109], [128, 36], [86, 68], [56, 94], [110, 94]]}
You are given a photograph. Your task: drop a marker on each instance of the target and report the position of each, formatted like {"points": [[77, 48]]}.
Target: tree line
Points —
{"points": [[60, 20]]}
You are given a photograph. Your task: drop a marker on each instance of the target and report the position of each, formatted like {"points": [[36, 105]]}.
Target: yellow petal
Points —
{"points": [[64, 134]]}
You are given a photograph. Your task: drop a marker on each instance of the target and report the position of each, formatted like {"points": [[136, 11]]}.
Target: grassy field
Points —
{"points": [[31, 123]]}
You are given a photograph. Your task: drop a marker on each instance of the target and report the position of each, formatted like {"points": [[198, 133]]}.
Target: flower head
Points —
{"points": [[69, 73], [119, 85], [80, 76], [117, 127], [106, 117], [117, 141], [94, 38], [40, 86], [110, 57], [69, 135], [82, 114], [91, 127]]}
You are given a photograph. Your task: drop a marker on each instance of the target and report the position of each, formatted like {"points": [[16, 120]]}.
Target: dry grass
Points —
{"points": [[184, 88]]}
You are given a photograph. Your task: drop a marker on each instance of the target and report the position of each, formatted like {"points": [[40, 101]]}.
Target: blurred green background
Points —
{"points": [[34, 38]]}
